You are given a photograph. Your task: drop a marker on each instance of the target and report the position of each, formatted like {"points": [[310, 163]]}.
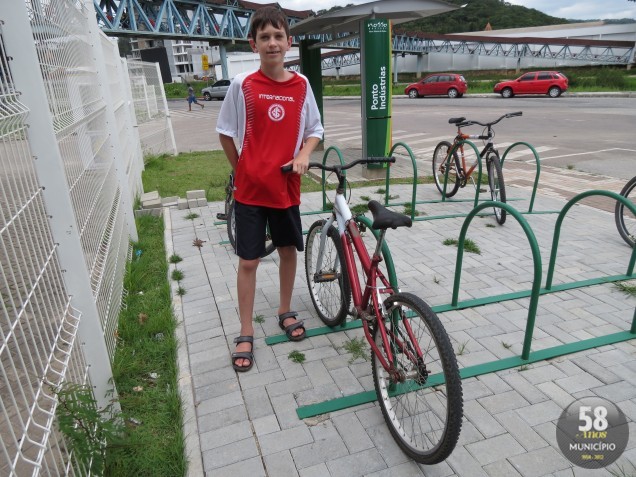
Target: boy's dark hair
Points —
{"points": [[268, 16]]}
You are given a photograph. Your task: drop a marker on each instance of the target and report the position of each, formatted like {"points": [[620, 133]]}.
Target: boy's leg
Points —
{"points": [[287, 276], [246, 287]]}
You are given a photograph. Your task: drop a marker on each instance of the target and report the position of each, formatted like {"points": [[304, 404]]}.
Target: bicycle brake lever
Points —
{"points": [[286, 169]]}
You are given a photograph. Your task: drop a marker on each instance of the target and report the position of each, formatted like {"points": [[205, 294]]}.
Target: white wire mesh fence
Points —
{"points": [[151, 108], [71, 162]]}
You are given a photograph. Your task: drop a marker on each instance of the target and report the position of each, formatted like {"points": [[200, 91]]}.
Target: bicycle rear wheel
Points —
{"points": [[424, 412], [625, 220], [329, 286], [231, 230], [496, 184], [440, 163]]}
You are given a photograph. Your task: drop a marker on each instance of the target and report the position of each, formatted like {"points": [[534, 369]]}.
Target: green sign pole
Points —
{"points": [[376, 90]]}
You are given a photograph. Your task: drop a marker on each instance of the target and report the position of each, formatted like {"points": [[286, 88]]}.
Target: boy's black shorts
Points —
{"points": [[251, 226]]}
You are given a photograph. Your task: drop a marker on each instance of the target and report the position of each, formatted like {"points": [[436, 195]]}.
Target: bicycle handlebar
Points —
{"points": [[470, 122], [336, 168]]}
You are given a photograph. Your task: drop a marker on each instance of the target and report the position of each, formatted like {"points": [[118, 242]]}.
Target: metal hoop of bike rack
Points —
{"points": [[414, 163], [536, 176]]}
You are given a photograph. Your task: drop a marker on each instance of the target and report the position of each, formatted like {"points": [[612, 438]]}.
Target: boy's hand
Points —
{"points": [[300, 163]]}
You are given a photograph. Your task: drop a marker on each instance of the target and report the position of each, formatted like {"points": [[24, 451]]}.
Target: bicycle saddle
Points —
{"points": [[383, 218], [456, 120]]}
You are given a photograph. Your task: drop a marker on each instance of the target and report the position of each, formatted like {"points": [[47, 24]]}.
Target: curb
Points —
{"points": [[186, 389]]}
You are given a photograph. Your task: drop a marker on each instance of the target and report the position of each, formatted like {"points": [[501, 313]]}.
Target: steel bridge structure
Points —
{"points": [[227, 21]]}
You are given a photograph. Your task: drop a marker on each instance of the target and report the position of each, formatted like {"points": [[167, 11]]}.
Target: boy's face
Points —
{"points": [[271, 44]]}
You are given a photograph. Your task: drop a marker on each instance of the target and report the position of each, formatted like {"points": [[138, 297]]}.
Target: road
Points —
{"points": [[593, 135]]}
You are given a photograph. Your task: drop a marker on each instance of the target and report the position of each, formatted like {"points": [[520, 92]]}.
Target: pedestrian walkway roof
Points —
{"points": [[347, 20]]}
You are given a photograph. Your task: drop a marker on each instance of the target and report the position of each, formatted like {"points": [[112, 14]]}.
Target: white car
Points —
{"points": [[217, 90]]}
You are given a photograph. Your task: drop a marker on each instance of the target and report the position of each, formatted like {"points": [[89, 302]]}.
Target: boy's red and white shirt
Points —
{"points": [[271, 120]]}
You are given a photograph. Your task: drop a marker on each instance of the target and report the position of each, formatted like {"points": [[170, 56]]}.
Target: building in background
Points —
{"points": [[184, 57]]}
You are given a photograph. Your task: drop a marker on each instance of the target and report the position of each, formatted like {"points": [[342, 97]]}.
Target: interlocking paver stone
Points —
{"points": [[362, 463], [539, 462]]}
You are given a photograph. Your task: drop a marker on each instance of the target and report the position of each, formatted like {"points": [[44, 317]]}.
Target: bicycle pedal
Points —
{"points": [[221, 216], [325, 277]]}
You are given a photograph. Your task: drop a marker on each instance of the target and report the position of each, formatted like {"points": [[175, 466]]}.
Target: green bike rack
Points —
{"points": [[527, 357], [536, 176], [564, 211]]}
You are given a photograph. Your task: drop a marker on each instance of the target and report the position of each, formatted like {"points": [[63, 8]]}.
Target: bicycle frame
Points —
{"points": [[362, 301], [490, 145]]}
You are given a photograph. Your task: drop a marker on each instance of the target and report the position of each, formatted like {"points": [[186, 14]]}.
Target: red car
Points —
{"points": [[445, 84], [551, 83]]}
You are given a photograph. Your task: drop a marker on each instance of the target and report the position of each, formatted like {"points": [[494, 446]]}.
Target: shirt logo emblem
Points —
{"points": [[276, 112]]}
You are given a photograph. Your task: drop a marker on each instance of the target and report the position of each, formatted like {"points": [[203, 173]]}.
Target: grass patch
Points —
{"points": [[177, 275], [357, 347], [461, 348], [506, 345], [174, 258], [296, 356], [146, 358], [365, 198], [181, 291], [407, 210], [259, 319], [626, 288], [469, 245], [359, 209], [192, 216], [491, 226]]}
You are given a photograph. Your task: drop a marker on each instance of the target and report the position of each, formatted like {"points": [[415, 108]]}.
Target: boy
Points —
{"points": [[192, 98], [274, 115]]}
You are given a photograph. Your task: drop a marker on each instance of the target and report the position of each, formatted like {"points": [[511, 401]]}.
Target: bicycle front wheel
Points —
{"points": [[231, 230], [440, 162], [496, 184], [327, 275], [424, 411], [625, 220]]}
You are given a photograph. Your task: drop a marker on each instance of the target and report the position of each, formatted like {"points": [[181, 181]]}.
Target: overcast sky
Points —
{"points": [[575, 9]]}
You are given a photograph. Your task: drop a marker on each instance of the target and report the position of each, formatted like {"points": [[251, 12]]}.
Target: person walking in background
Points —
{"points": [[192, 98], [274, 115]]}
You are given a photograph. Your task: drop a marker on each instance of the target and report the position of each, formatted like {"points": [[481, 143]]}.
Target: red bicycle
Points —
{"points": [[414, 367]]}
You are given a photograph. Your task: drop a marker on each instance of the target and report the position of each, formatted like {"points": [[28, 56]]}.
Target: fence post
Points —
{"points": [[167, 111], [49, 165]]}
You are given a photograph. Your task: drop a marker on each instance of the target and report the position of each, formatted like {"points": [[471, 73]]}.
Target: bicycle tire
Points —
{"points": [[439, 157], [620, 213], [414, 415], [231, 231], [329, 287], [496, 185]]}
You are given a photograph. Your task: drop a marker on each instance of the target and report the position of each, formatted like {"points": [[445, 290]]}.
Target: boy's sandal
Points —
{"points": [[243, 354], [290, 328]]}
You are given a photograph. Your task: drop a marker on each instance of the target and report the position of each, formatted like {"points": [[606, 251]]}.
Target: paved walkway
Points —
{"points": [[246, 425]]}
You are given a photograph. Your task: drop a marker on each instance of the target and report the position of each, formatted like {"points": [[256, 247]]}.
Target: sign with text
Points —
{"points": [[377, 88], [378, 68], [204, 62]]}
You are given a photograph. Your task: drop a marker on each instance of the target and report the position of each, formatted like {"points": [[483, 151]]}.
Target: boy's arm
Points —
{"points": [[300, 163], [227, 143]]}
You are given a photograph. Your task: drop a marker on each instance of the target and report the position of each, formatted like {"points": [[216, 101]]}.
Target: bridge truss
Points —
{"points": [[228, 21]]}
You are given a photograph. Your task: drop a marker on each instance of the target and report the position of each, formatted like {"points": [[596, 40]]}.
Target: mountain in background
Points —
{"points": [[477, 14]]}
